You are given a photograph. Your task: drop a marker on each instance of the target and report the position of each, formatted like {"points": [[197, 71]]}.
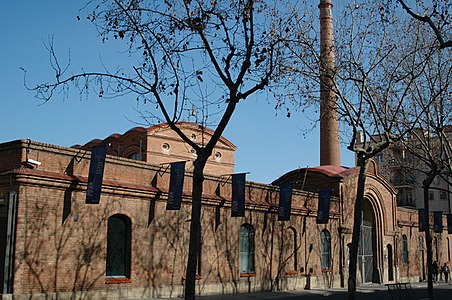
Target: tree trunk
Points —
{"points": [[195, 227], [198, 179], [363, 163], [428, 239]]}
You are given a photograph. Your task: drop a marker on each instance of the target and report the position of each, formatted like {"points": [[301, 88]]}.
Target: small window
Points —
{"points": [[166, 148], [443, 195], [379, 158], [431, 196], [217, 156], [409, 198], [246, 249], [404, 249], [118, 246], [325, 242]]}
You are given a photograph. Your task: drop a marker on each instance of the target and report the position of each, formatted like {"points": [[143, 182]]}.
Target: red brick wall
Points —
{"points": [[64, 252], [57, 252], [53, 255]]}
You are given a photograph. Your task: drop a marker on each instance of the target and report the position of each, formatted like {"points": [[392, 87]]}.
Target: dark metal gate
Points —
{"points": [[365, 253]]}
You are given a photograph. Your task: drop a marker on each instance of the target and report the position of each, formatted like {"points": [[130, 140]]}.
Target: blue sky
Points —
{"points": [[269, 144]]}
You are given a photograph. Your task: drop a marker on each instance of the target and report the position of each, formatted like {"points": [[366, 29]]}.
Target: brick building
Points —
{"points": [[54, 243]]}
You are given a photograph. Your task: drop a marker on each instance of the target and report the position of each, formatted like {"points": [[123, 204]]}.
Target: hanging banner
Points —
{"points": [[96, 174], [449, 223], [438, 221], [421, 219], [176, 185], [323, 212], [285, 201], [238, 195]]}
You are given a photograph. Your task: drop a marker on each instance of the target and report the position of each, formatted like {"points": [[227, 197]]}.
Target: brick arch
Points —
{"points": [[375, 200], [129, 150], [374, 196]]}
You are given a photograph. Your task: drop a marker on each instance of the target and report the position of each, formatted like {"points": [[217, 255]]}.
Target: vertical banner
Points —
{"points": [[10, 242], [323, 212], [421, 219], [176, 185], [96, 174], [438, 221], [285, 201], [449, 223], [238, 195]]}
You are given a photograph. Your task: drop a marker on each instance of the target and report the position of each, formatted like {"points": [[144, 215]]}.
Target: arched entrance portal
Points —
{"points": [[367, 245]]}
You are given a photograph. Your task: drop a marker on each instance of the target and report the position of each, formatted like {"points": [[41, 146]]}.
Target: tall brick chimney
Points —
{"points": [[329, 125]]}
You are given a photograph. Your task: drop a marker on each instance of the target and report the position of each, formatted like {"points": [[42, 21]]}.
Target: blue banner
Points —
{"points": [[238, 195], [421, 219], [323, 212], [285, 201], [96, 174], [176, 185], [449, 223], [438, 221]]}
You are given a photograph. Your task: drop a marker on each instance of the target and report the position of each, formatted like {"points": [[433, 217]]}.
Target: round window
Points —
{"points": [[165, 147], [217, 156]]}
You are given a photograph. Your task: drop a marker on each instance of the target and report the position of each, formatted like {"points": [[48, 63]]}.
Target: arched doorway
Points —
{"points": [[367, 245], [390, 262]]}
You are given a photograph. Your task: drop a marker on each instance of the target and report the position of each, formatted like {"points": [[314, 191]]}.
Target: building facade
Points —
{"points": [[130, 246]]}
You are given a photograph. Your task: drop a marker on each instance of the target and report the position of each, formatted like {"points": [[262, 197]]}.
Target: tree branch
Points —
{"points": [[426, 19]]}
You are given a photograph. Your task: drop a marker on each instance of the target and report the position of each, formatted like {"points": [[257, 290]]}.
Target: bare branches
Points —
{"points": [[185, 55], [179, 48], [443, 42]]}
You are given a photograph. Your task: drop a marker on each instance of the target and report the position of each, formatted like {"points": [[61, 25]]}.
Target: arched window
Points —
{"points": [[118, 246], [290, 245], [325, 243], [134, 156], [404, 249], [246, 249]]}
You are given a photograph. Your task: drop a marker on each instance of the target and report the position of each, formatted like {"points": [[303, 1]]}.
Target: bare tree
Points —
{"points": [[373, 76], [429, 146], [436, 14], [188, 57], [378, 62]]}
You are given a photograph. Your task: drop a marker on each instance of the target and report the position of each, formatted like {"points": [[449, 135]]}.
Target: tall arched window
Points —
{"points": [[404, 249], [290, 246], [325, 243], [118, 246], [246, 249]]}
